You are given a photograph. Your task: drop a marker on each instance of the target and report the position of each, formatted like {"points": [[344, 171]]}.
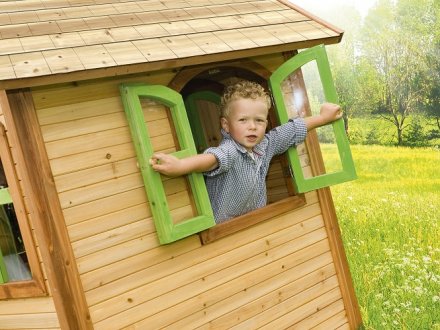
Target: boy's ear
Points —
{"points": [[225, 124]]}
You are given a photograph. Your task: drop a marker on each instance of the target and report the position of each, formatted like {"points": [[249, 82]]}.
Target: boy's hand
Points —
{"points": [[166, 164], [330, 112]]}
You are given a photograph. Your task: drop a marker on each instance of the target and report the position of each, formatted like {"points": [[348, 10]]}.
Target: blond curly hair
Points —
{"points": [[242, 90]]}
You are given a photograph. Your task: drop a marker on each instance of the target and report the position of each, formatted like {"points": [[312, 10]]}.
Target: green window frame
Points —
{"points": [[348, 172], [167, 231], [194, 118]]}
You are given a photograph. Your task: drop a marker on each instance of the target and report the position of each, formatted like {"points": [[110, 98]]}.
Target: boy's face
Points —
{"points": [[246, 122]]}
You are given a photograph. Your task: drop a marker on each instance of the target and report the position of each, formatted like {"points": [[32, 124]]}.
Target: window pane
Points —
{"points": [[11, 243], [312, 96]]}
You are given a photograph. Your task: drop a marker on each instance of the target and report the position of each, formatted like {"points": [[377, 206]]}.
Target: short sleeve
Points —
{"points": [[225, 154]]}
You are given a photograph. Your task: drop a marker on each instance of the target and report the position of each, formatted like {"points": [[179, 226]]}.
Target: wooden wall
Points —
{"points": [[275, 274], [29, 313]]}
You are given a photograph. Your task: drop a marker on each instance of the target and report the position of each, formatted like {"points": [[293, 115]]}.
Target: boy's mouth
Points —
{"points": [[251, 138]]}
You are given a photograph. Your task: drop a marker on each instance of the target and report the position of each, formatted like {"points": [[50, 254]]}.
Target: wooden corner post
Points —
{"points": [[50, 228]]}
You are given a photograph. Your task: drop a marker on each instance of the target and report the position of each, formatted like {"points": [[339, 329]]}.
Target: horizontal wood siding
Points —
{"points": [[27, 313], [278, 272], [32, 313]]}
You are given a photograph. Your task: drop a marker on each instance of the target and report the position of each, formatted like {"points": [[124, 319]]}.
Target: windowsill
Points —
{"points": [[22, 289], [252, 218]]}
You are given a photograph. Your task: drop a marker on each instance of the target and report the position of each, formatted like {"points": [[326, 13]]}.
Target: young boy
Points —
{"points": [[236, 170]]}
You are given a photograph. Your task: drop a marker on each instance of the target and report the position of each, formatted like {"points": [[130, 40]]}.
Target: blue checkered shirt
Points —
{"points": [[238, 184]]}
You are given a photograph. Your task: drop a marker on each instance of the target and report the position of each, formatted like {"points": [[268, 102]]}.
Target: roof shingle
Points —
{"points": [[52, 37]]}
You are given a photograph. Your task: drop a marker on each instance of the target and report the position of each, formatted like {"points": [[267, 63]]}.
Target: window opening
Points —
{"points": [[14, 265]]}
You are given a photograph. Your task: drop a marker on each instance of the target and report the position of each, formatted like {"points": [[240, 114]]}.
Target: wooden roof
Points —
{"points": [[49, 41]]}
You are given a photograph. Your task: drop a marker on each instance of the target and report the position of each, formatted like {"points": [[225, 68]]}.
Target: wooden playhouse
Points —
{"points": [[90, 238]]}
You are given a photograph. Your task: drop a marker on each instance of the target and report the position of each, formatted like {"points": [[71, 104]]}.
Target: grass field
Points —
{"points": [[390, 223]]}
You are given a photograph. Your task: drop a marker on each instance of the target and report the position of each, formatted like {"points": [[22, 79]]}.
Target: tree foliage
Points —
{"points": [[389, 63]]}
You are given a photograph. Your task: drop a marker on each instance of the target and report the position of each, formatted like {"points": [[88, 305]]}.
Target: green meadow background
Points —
{"points": [[389, 218]]}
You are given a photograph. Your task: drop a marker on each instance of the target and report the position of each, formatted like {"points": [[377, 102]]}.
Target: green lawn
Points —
{"points": [[390, 223]]}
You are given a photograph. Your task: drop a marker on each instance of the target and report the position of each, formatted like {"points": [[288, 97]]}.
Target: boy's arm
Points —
{"points": [[329, 113], [173, 166]]}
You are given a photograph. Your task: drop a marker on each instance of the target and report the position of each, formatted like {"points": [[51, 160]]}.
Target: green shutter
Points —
{"points": [[194, 118], [166, 230], [347, 171]]}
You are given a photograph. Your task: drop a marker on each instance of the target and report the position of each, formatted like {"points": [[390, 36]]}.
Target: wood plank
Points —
{"points": [[72, 25], [182, 46], [102, 22], [92, 90], [35, 305], [87, 142], [155, 49], [301, 282], [30, 321], [321, 315], [10, 46], [226, 245], [92, 158], [287, 313], [96, 174], [205, 282], [124, 33], [83, 126], [261, 37], [95, 37], [31, 44], [42, 28], [225, 306], [64, 40], [62, 60], [115, 253], [124, 268], [150, 30], [101, 139], [209, 42], [345, 326], [6, 68], [194, 280], [124, 53], [176, 27], [93, 57], [15, 30], [307, 30], [28, 64], [284, 33], [100, 190], [78, 110], [107, 205], [334, 322], [23, 17], [202, 25], [110, 222], [106, 239]]}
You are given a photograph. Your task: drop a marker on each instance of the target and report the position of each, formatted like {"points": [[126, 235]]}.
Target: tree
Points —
{"points": [[393, 43], [432, 102]]}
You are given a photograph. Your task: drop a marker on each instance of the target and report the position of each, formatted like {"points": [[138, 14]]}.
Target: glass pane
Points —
{"points": [[11, 242], [305, 101]]}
